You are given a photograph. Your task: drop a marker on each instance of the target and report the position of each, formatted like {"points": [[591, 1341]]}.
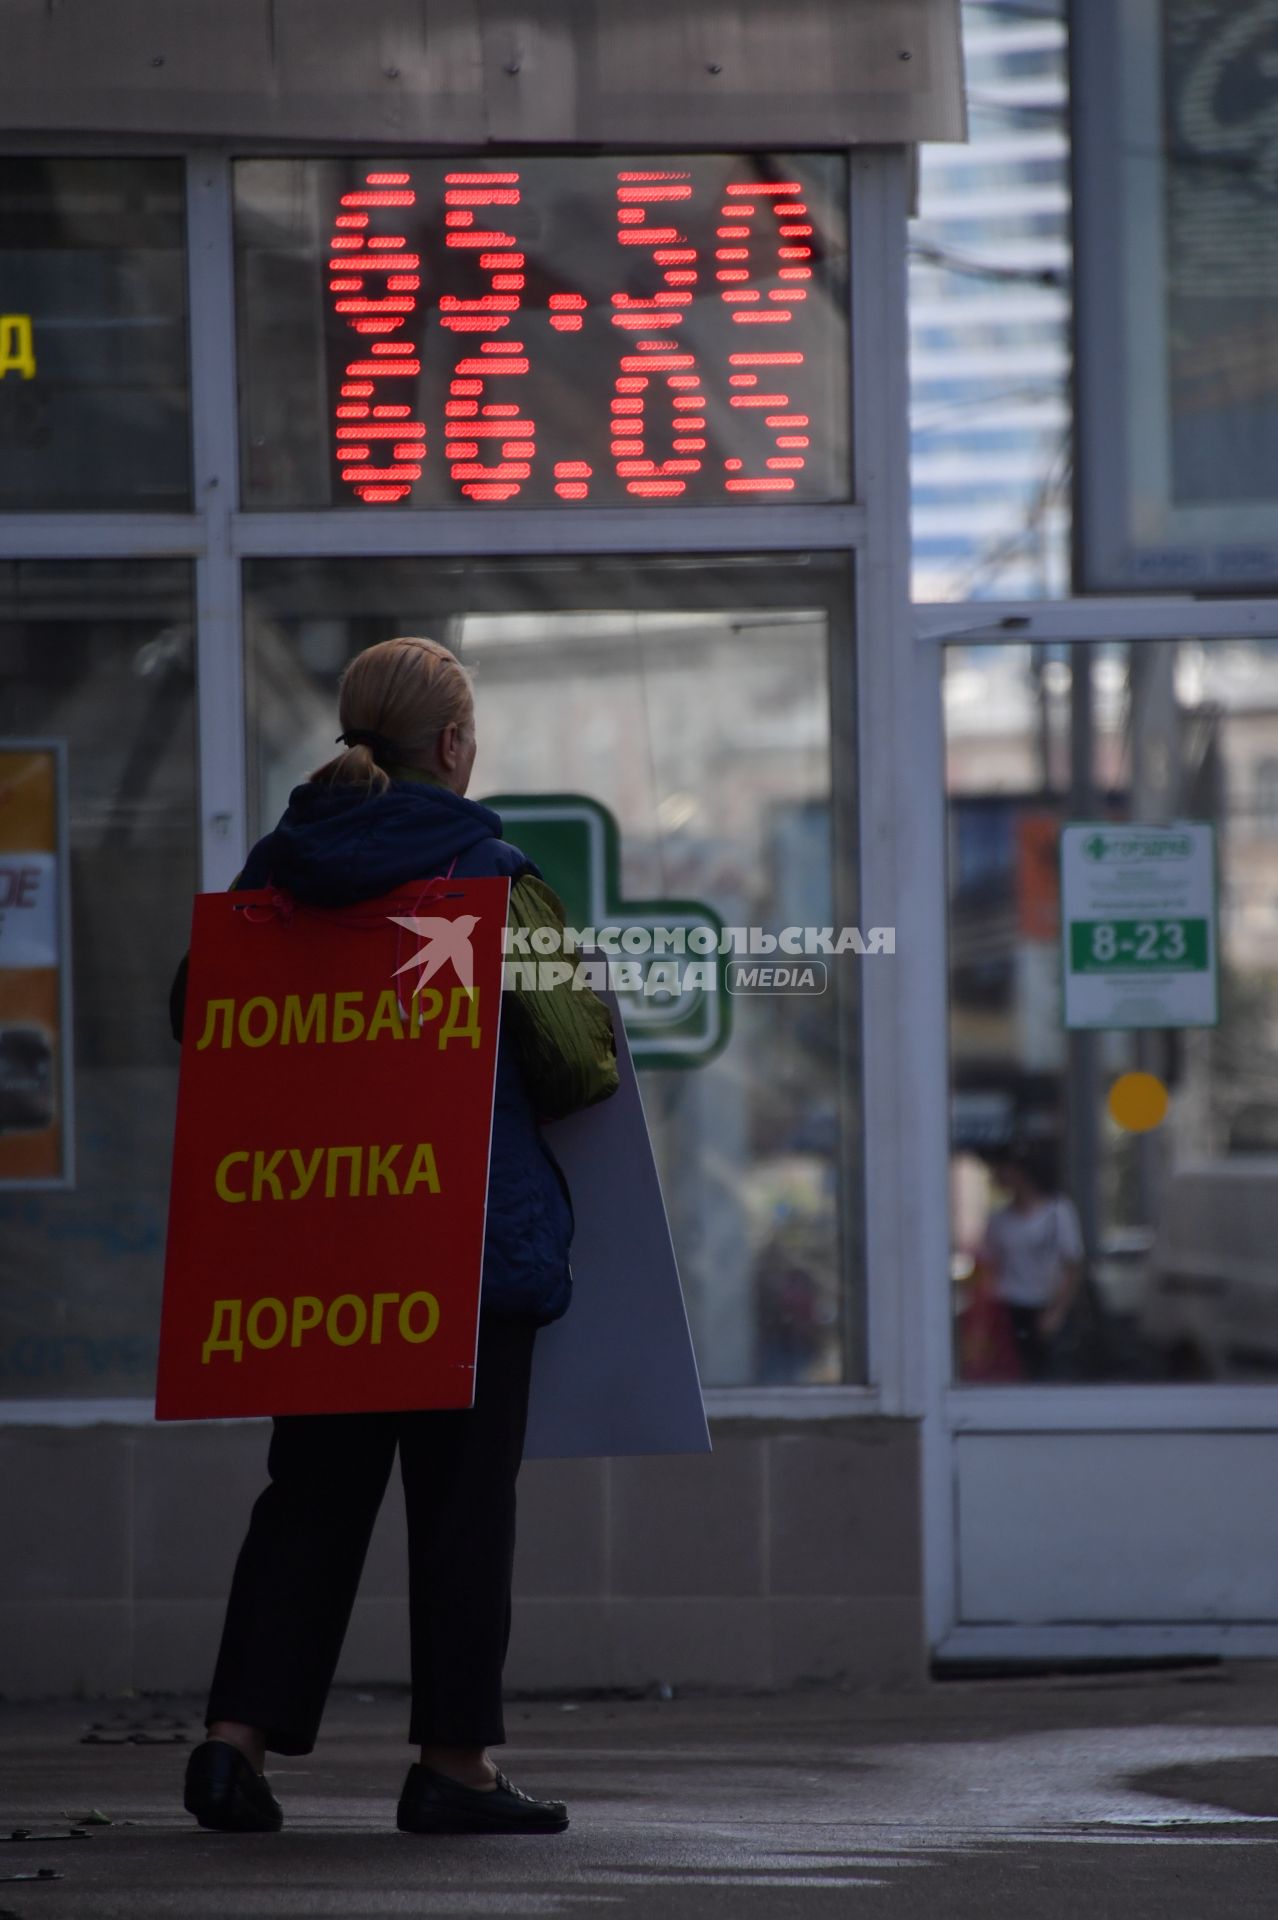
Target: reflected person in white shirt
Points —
{"points": [[1034, 1245]]}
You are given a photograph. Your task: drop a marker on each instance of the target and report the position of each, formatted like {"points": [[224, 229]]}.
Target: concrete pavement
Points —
{"points": [[1128, 1795]]}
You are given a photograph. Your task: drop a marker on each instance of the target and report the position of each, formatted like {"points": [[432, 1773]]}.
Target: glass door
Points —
{"points": [[1113, 1186], [1162, 1140]]}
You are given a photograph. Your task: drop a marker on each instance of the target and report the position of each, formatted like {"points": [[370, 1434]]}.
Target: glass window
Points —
{"points": [[97, 656], [1177, 300], [1265, 790], [565, 332], [691, 699], [989, 323], [1175, 1195], [93, 349]]}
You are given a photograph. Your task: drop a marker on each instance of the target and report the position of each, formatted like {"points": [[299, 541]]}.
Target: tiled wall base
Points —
{"points": [[791, 1554]]}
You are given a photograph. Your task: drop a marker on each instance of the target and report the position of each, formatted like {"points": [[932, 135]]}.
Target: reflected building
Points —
{"points": [[989, 322]]}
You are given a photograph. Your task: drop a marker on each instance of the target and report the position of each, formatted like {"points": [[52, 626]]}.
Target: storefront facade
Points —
{"points": [[580, 345], [671, 539]]}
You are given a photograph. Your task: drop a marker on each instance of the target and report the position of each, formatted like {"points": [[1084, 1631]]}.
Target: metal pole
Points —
{"points": [[1082, 1101], [1155, 785]]}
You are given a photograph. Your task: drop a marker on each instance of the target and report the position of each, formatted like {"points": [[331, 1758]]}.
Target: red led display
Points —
{"points": [[566, 310], [703, 306], [384, 306], [654, 192], [378, 262], [492, 310], [381, 198], [482, 197], [767, 206]]}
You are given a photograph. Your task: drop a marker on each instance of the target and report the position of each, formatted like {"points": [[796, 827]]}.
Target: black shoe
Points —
{"points": [[225, 1793], [432, 1803]]}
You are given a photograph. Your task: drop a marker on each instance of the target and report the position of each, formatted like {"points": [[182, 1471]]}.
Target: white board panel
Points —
{"points": [[617, 1374], [1116, 1527]]}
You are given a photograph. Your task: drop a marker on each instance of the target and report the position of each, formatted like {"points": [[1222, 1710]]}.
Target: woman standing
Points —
{"points": [[391, 809], [1034, 1246]]}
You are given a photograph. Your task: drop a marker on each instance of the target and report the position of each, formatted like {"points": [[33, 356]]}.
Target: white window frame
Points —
{"points": [[946, 1408]]}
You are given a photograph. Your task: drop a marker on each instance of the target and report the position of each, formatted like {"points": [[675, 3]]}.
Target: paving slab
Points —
{"points": [[1145, 1797]]}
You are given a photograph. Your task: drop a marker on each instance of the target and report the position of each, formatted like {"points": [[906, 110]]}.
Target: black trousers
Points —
{"points": [[1030, 1344], [299, 1568]]}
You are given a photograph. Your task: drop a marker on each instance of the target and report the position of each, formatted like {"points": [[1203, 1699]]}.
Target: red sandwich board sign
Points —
{"points": [[330, 1163]]}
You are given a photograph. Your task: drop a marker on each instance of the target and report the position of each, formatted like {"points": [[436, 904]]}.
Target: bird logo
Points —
{"points": [[445, 941]]}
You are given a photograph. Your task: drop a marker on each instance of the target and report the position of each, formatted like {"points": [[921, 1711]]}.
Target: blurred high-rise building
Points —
{"points": [[989, 321]]}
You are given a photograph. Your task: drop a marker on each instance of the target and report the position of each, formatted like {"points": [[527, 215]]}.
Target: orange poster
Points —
{"points": [[1038, 904], [35, 1122]]}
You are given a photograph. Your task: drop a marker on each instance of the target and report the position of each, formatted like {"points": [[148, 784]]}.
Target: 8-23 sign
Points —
{"points": [[1102, 945]]}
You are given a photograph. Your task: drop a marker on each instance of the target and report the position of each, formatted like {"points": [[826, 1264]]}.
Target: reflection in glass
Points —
{"points": [[691, 699], [1180, 1221], [989, 322], [1177, 299], [93, 353], [98, 655]]}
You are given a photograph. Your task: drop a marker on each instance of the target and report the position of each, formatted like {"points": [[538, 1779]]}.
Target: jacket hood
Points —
{"points": [[339, 844]]}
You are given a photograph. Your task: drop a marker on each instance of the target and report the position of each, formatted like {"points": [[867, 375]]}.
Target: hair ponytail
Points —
{"points": [[395, 700], [356, 767]]}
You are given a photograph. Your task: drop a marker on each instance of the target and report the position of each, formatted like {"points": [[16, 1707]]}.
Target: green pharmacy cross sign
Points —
{"points": [[576, 844]]}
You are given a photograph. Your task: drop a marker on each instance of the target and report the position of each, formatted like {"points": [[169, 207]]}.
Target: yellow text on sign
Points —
{"points": [[349, 1172], [339, 1018], [17, 345], [346, 1321]]}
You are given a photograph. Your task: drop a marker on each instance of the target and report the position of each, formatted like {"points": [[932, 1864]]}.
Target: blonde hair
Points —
{"points": [[404, 692]]}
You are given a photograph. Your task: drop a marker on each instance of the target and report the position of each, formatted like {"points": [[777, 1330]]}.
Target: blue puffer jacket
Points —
{"points": [[338, 844]]}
